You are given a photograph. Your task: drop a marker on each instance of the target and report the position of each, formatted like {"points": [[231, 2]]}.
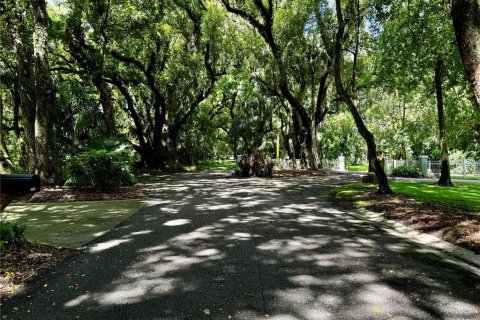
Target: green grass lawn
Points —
{"points": [[468, 177], [211, 165], [358, 167], [463, 195], [71, 224]]}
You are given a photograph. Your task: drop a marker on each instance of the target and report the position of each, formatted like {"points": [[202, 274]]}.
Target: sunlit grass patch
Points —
{"points": [[463, 196], [358, 167], [212, 165]]}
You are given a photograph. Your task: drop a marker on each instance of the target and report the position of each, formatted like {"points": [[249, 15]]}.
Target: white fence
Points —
{"points": [[338, 164], [459, 168]]}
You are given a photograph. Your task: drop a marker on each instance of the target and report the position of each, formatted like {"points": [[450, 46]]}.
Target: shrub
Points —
{"points": [[11, 232], [407, 171], [99, 170]]}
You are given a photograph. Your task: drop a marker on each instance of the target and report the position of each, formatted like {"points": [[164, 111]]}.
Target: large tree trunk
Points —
{"points": [[45, 97], [313, 158], [107, 104], [144, 146], [299, 137], [5, 162], [312, 142], [383, 186], [23, 49], [445, 175], [466, 22]]}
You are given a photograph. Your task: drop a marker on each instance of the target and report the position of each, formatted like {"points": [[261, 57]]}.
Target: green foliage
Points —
{"points": [[171, 45], [407, 171], [99, 170], [435, 154], [11, 232], [340, 137]]}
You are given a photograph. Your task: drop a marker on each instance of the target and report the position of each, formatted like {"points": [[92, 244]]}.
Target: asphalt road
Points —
{"points": [[208, 246]]}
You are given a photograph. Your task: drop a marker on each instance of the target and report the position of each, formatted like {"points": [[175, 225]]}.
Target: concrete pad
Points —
{"points": [[72, 224]]}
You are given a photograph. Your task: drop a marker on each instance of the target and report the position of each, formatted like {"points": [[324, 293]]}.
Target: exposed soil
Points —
{"points": [[67, 194], [454, 225], [21, 262]]}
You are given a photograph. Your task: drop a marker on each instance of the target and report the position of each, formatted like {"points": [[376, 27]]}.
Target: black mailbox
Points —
{"points": [[17, 187], [19, 183]]}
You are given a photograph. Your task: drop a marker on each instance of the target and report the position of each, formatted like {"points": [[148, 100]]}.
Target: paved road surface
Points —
{"points": [[207, 246]]}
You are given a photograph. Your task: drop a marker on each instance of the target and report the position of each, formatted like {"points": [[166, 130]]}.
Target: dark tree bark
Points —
{"points": [[5, 161], [233, 131], [445, 172], [45, 97], [24, 91], [107, 104], [16, 108], [298, 135], [383, 186], [466, 22], [144, 148], [159, 105]]}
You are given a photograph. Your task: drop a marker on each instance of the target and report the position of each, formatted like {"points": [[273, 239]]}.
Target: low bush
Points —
{"points": [[99, 170], [11, 232], [407, 171]]}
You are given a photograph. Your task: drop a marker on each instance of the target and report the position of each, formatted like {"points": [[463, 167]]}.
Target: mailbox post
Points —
{"points": [[17, 187]]}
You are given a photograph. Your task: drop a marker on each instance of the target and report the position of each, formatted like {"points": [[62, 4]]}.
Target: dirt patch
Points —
{"points": [[22, 262], [454, 225], [67, 194]]}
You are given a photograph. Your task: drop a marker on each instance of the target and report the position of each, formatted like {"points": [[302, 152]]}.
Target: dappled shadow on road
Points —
{"points": [[214, 247]]}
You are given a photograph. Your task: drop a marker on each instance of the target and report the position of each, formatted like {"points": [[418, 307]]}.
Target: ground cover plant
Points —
{"points": [[407, 171], [99, 170], [452, 214], [11, 233]]}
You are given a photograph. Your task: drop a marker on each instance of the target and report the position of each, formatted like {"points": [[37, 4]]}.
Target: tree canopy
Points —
{"points": [[179, 81]]}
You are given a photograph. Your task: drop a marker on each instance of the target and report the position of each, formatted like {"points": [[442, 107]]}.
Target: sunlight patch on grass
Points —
{"points": [[213, 165], [358, 167], [71, 224], [463, 195]]}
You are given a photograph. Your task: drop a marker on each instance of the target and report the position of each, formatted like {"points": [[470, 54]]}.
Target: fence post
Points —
{"points": [[464, 168], [298, 164], [424, 164], [341, 163], [386, 164]]}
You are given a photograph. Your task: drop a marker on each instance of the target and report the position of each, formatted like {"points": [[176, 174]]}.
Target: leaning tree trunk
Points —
{"points": [[45, 97], [24, 90], [107, 104], [383, 186], [5, 162], [466, 22], [445, 175]]}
